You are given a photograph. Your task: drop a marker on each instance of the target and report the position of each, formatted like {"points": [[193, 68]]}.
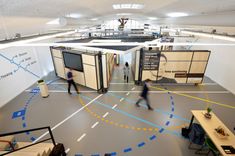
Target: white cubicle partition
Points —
{"points": [[59, 63], [171, 66], [79, 77], [104, 70], [91, 75], [90, 72]]}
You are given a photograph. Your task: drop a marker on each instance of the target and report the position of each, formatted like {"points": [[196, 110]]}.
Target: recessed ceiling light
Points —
{"points": [[94, 19], [128, 6], [73, 15], [137, 6], [177, 14], [123, 14], [54, 22], [152, 18], [125, 6]]}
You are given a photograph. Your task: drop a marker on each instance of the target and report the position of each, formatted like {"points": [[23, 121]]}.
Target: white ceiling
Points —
{"points": [[28, 16]]}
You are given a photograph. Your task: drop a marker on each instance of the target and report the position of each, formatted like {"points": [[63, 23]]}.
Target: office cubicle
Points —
{"points": [[90, 69], [171, 66]]}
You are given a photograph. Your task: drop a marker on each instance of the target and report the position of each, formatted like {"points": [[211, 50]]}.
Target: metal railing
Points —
{"points": [[30, 130]]}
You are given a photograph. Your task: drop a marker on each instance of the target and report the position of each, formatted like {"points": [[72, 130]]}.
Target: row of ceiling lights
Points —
{"points": [[129, 6], [119, 7], [141, 6]]}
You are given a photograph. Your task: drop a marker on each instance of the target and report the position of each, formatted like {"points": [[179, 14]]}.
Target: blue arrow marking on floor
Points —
{"points": [[113, 153], [35, 90], [24, 125], [141, 144], [153, 137], [32, 139], [127, 150], [18, 114], [161, 130]]}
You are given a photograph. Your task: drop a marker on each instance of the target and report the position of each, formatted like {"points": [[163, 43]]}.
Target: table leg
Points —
{"points": [[191, 122]]}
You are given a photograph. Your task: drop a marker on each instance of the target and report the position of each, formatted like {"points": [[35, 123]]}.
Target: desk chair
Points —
{"points": [[208, 147], [196, 136]]}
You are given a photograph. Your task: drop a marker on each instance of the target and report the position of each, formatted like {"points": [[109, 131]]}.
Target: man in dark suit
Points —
{"points": [[71, 81], [144, 94]]}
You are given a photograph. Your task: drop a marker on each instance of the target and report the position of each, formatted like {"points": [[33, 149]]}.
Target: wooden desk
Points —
{"points": [[209, 126]]}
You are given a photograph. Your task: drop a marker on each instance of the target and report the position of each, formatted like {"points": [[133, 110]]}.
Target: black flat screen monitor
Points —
{"points": [[73, 61]]}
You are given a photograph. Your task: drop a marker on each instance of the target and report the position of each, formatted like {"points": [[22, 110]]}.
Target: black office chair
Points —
{"points": [[208, 148], [196, 136]]}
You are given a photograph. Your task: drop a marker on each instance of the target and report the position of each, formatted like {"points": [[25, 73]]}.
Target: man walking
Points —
{"points": [[144, 94], [71, 81]]}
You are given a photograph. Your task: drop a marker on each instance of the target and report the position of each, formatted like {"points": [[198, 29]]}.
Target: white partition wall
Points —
{"points": [[95, 72], [78, 77], [59, 63], [137, 64], [104, 71], [90, 73], [171, 66]]}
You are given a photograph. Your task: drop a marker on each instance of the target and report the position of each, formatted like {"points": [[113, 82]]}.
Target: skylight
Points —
{"points": [[73, 15], [54, 22], [177, 14], [94, 19], [152, 18], [123, 14], [128, 6]]}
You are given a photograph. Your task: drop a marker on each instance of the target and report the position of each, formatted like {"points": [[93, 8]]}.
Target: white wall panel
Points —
{"points": [[78, 77], [59, 67], [90, 76], [57, 53], [88, 59], [20, 68]]}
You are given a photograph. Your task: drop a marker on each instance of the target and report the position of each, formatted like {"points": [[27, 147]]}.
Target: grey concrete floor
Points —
{"points": [[112, 123]]}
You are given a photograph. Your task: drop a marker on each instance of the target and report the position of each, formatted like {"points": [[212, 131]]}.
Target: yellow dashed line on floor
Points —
{"points": [[122, 125]]}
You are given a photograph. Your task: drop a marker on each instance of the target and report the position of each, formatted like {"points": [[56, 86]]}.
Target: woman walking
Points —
{"points": [[126, 71]]}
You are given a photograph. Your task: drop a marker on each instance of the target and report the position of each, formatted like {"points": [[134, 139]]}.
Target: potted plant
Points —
{"points": [[208, 115]]}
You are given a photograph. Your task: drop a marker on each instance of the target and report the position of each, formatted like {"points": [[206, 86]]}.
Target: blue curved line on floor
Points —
{"points": [[152, 137], [130, 115], [156, 110], [34, 93]]}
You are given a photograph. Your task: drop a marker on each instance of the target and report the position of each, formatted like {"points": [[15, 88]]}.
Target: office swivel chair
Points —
{"points": [[196, 136], [207, 148]]}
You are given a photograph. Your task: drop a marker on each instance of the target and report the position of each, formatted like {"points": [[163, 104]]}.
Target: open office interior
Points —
{"points": [[117, 78]]}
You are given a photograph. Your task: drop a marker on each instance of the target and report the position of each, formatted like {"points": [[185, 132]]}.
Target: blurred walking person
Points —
{"points": [[71, 81], [144, 94]]}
